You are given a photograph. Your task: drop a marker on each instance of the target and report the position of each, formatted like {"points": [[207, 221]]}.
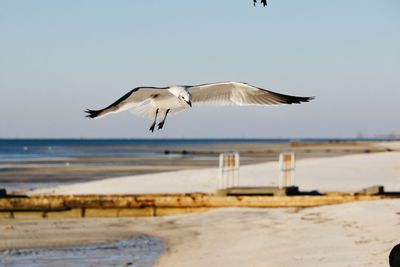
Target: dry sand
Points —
{"points": [[355, 234], [344, 173]]}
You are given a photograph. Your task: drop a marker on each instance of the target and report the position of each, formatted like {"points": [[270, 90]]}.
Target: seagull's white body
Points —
{"points": [[152, 101], [171, 101]]}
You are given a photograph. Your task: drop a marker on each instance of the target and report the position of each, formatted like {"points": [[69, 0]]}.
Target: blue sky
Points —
{"points": [[58, 58]]}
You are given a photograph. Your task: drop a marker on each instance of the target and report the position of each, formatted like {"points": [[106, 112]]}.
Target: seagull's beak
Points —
{"points": [[189, 103]]}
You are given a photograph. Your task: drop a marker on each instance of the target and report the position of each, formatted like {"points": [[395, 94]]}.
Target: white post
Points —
{"points": [[286, 167], [228, 170], [221, 171], [237, 166]]}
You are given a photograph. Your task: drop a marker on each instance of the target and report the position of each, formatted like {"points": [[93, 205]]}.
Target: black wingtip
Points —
{"points": [[310, 98], [297, 99], [92, 113]]}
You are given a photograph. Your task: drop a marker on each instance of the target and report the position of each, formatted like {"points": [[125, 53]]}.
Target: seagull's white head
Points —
{"points": [[181, 93], [185, 96]]}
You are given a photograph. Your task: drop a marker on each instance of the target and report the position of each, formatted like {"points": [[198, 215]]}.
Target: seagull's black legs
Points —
{"points": [[154, 123], [161, 124]]}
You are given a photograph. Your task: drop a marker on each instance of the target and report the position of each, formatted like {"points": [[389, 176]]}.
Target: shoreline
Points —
{"points": [[92, 168], [141, 249]]}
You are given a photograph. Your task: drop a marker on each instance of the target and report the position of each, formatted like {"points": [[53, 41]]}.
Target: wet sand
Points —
{"points": [[140, 251]]}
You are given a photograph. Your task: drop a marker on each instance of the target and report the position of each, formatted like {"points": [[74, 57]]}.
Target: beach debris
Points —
{"points": [[394, 256], [3, 192], [372, 190], [8, 227]]}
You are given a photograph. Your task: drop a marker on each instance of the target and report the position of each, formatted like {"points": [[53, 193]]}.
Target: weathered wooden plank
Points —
{"points": [[177, 210], [72, 213], [157, 205], [28, 214], [136, 212]]}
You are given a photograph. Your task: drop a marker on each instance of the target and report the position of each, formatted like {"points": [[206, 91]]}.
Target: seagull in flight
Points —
{"points": [[151, 102]]}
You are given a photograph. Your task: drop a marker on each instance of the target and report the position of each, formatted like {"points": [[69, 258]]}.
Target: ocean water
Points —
{"points": [[138, 252], [56, 149]]}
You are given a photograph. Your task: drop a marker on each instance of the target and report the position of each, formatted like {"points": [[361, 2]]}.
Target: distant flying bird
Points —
{"points": [[152, 101], [263, 2]]}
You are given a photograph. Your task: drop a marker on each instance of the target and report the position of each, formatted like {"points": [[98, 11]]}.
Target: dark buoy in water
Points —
{"points": [[394, 256]]}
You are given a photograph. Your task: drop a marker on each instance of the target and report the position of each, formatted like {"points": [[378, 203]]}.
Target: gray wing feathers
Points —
{"points": [[242, 94], [133, 98], [212, 94]]}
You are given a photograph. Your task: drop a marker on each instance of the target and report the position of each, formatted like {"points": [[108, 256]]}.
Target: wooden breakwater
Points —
{"points": [[64, 206]]}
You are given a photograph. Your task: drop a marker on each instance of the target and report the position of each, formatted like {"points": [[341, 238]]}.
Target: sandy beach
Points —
{"points": [[82, 162], [341, 173], [353, 234]]}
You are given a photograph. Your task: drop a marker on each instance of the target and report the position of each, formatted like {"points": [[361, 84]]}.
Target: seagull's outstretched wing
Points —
{"points": [[133, 98], [240, 94]]}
